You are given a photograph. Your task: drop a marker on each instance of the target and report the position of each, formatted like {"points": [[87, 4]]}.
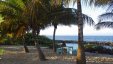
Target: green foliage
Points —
{"points": [[43, 40], [97, 48], [6, 40], [90, 47], [1, 18], [29, 39], [93, 48], [1, 51]]}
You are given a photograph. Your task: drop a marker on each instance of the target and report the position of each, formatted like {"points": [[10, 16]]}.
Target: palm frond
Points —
{"points": [[104, 24], [12, 4], [68, 16], [110, 7], [20, 31], [106, 16], [87, 19]]}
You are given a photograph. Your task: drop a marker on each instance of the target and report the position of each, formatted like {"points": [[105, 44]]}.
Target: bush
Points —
{"points": [[43, 40], [93, 48], [90, 48], [98, 49], [1, 51]]}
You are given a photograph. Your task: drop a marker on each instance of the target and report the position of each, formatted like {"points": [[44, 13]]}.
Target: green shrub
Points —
{"points": [[44, 41], [93, 48], [1, 51], [90, 47], [97, 48], [29, 40]]}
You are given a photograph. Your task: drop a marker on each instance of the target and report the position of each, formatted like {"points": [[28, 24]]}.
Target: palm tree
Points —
{"points": [[68, 16], [11, 12], [81, 53], [30, 15], [81, 59], [38, 19]]}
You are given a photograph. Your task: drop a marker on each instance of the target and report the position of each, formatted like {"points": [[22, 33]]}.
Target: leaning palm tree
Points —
{"points": [[30, 15], [11, 12], [38, 19], [15, 30]]}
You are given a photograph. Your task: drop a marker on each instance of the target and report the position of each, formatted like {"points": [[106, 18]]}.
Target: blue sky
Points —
{"points": [[88, 30]]}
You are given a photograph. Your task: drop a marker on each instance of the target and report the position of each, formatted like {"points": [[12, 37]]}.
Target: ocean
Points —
{"points": [[86, 38]]}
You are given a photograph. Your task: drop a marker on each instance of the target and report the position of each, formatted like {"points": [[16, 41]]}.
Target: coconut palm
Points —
{"points": [[80, 53], [29, 15], [68, 16], [9, 11]]}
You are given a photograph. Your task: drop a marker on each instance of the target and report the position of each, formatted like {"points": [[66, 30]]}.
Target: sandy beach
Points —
{"points": [[16, 55]]}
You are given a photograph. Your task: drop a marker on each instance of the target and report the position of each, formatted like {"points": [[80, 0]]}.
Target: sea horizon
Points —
{"points": [[104, 38], [74, 35]]}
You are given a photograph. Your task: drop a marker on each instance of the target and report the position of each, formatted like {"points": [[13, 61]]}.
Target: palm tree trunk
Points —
{"points": [[81, 59], [25, 46], [54, 47], [40, 53]]}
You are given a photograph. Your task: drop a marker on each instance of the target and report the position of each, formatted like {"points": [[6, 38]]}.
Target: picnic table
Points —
{"points": [[66, 50]]}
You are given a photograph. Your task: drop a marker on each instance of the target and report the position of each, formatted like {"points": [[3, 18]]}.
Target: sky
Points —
{"points": [[93, 12]]}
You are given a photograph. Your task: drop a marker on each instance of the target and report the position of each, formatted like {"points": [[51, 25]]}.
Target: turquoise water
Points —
{"points": [[86, 38]]}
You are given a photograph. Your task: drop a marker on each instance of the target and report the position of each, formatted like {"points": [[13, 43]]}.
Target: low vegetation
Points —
{"points": [[1, 51], [43, 40], [98, 49]]}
